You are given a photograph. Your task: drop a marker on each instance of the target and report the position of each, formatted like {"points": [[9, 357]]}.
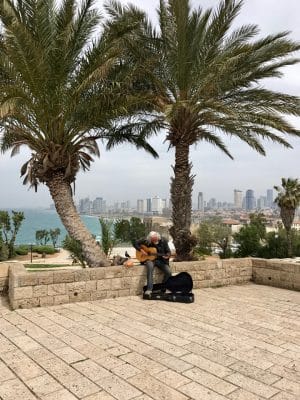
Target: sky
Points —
{"points": [[129, 174]]}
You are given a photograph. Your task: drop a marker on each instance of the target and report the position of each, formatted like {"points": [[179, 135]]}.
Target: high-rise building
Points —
{"points": [[238, 199], [250, 200], [148, 205], [157, 205], [200, 202], [85, 206], [212, 203], [261, 203], [99, 205], [270, 201], [140, 206]]}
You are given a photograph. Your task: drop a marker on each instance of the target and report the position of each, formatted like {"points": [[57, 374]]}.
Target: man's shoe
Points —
{"points": [[148, 293]]}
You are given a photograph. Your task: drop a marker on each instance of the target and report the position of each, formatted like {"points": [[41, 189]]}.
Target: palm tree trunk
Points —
{"points": [[287, 215], [289, 243], [181, 198], [60, 191]]}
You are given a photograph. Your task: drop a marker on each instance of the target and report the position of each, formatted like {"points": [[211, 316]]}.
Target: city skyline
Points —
{"points": [[131, 174], [240, 200]]}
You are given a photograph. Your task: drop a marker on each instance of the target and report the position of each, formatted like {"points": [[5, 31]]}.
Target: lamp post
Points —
{"points": [[276, 245]]}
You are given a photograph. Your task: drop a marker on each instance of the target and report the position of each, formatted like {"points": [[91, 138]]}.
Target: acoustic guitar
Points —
{"points": [[151, 255]]}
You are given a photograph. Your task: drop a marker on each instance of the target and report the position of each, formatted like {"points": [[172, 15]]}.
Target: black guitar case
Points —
{"points": [[176, 288]]}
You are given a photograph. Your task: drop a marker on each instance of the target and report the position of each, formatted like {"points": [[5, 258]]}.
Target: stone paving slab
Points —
{"points": [[233, 343]]}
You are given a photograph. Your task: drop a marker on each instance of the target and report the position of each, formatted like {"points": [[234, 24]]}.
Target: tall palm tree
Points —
{"points": [[62, 88], [207, 80], [288, 199]]}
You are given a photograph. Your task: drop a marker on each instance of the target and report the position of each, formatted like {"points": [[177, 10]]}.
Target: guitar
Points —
{"points": [[151, 255], [180, 283]]}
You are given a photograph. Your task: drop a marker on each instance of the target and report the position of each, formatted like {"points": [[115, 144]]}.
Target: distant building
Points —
{"points": [[157, 205], [250, 200], [85, 206], [262, 203], [212, 204], [238, 199], [99, 205], [270, 201], [200, 206], [140, 206], [148, 205]]}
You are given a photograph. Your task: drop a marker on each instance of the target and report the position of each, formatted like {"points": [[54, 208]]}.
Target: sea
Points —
{"points": [[38, 219]]}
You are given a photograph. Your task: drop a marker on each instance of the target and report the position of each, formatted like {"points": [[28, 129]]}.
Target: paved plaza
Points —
{"points": [[234, 342]]}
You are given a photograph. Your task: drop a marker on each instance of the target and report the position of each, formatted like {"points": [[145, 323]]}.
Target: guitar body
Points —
{"points": [[151, 254]]}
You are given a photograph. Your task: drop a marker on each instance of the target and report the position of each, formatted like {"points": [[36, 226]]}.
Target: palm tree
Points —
{"points": [[207, 80], [62, 88], [288, 199]]}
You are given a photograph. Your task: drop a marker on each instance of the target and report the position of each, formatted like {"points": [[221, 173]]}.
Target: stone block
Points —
{"points": [[45, 278], [199, 276], [114, 272], [82, 275], [134, 271], [28, 279], [246, 271], [56, 289], [202, 284], [63, 276], [126, 283], [46, 301], [296, 286], [40, 291], [91, 286], [80, 296], [258, 262], [4, 270], [23, 293], [124, 292], [97, 273], [61, 299], [75, 287], [26, 303], [116, 283], [99, 295], [104, 284], [112, 294], [287, 276], [135, 291]]}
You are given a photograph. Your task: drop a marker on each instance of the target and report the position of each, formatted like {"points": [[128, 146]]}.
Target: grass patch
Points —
{"points": [[46, 265]]}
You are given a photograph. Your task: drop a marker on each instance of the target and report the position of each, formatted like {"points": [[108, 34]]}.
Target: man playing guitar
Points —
{"points": [[153, 252]]}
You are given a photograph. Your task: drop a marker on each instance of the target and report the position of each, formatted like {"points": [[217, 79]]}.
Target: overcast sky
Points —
{"points": [[128, 174]]}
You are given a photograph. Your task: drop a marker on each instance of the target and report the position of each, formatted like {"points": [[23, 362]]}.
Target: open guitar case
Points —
{"points": [[177, 288]]}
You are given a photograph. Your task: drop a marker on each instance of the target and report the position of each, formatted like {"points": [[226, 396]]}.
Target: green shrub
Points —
{"points": [[21, 250], [75, 249], [4, 252], [43, 249]]}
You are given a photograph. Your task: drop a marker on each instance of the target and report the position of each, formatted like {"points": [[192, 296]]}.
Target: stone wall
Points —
{"points": [[276, 273], [4, 267], [34, 289]]}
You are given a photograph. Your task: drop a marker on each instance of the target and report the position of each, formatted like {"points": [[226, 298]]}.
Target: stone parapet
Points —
{"points": [[33, 289], [4, 271], [276, 273]]}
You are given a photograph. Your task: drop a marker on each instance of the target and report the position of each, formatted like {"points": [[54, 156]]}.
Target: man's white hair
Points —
{"points": [[152, 234]]}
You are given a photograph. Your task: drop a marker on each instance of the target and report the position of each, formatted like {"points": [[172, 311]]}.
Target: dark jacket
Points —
{"points": [[162, 247]]}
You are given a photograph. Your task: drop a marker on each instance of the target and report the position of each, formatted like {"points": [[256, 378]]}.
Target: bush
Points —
{"points": [[21, 250], [43, 249], [75, 249], [4, 252]]}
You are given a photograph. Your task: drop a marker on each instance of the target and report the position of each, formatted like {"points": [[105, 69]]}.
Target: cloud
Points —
{"points": [[128, 174]]}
